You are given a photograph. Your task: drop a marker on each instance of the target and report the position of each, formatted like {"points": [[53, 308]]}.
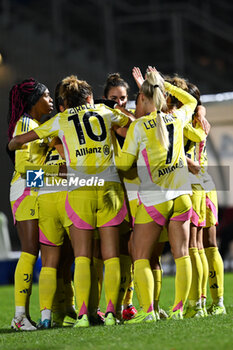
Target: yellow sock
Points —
{"points": [[27, 311], [112, 278], [144, 284], [197, 274], [125, 266], [182, 281], [47, 287], [157, 274], [69, 296], [23, 278], [82, 283], [59, 297], [99, 265], [216, 273], [205, 272], [128, 300], [94, 292]]}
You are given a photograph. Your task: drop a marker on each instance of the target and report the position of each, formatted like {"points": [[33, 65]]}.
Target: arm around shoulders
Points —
{"points": [[18, 141]]}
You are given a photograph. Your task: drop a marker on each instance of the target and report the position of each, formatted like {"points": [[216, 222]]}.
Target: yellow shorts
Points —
{"points": [[198, 199], [211, 208], [93, 207], [177, 209], [26, 206], [53, 220]]}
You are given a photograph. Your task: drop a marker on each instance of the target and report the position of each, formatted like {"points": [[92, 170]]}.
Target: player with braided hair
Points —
{"points": [[28, 102]]}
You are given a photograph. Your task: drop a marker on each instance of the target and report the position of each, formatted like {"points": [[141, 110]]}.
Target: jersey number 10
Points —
{"points": [[88, 127]]}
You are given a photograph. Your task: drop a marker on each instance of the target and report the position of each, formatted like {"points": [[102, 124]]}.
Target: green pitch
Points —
{"points": [[209, 333]]}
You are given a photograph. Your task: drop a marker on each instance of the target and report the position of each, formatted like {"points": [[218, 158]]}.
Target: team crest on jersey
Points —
{"points": [[106, 150], [181, 163]]}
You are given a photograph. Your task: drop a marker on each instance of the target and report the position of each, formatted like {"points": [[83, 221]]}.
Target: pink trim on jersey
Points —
{"points": [[202, 224], [43, 239], [110, 307], [195, 220], [26, 193], [76, 220], [183, 217], [133, 221], [212, 207], [194, 217], [201, 146], [83, 310], [156, 215], [151, 307], [179, 306], [118, 218], [67, 149], [145, 156]]}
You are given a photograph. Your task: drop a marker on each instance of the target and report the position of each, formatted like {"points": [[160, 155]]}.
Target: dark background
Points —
{"points": [[49, 39]]}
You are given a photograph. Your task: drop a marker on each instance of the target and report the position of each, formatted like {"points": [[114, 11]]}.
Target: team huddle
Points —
{"points": [[141, 180]]}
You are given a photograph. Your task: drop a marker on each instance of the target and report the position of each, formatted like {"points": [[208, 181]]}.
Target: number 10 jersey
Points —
{"points": [[85, 132]]}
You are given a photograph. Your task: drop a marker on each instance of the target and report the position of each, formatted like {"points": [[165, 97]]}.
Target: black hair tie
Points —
{"points": [[155, 86]]}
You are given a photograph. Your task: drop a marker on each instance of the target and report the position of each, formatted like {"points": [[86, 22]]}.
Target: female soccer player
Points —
{"points": [[95, 197], [28, 102], [215, 262], [55, 288], [206, 238], [194, 137], [155, 142], [117, 89]]}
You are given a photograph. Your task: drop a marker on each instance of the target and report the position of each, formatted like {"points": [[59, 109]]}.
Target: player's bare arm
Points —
{"points": [[18, 141]]}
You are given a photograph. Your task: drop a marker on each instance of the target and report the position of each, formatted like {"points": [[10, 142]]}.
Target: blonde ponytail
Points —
{"points": [[153, 88]]}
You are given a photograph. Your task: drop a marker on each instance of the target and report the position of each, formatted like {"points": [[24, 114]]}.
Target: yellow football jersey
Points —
{"points": [[203, 154], [195, 148], [52, 183], [207, 181], [85, 132], [163, 174], [33, 153], [194, 138], [130, 178]]}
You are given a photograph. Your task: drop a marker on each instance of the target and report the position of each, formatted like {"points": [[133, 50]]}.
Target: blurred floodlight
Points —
{"points": [[224, 96]]}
